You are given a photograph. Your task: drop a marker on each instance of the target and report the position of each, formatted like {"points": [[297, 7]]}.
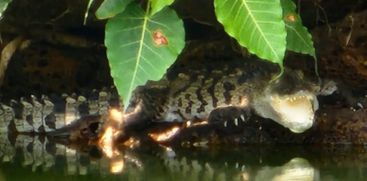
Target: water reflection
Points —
{"points": [[37, 158], [295, 169]]}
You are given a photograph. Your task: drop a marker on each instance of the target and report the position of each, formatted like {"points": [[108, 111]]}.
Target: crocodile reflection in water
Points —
{"points": [[48, 159], [295, 169], [44, 155], [37, 154]]}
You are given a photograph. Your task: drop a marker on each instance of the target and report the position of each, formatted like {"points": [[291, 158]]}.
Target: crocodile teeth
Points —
{"points": [[236, 121], [225, 123]]}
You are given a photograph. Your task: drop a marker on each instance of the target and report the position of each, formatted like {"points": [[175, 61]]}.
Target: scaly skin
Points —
{"points": [[236, 88], [223, 94], [71, 118]]}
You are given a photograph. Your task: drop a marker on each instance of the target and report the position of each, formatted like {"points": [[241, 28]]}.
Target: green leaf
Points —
{"points": [[110, 8], [3, 5], [255, 24], [140, 47], [158, 5], [298, 38]]}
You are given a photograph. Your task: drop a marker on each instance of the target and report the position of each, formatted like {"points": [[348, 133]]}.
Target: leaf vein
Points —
{"points": [[300, 36], [150, 49], [128, 29], [128, 44], [259, 29]]}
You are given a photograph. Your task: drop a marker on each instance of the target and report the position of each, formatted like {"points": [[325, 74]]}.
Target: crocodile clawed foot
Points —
{"points": [[236, 122], [229, 118]]}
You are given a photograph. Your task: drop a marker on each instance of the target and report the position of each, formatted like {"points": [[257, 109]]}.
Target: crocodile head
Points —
{"points": [[290, 101], [295, 111]]}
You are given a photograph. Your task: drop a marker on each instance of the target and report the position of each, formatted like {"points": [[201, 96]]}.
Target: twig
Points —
{"points": [[349, 36], [6, 55]]}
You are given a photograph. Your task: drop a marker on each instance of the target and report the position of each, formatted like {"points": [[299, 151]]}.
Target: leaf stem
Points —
{"points": [[277, 76], [138, 58]]}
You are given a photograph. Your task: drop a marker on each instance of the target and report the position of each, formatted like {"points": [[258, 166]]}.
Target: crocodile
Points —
{"points": [[223, 92], [223, 96], [226, 94]]}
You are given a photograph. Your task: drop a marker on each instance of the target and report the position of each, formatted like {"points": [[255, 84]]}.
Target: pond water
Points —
{"points": [[32, 158]]}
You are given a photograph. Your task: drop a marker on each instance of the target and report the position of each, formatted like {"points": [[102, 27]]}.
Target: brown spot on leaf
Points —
{"points": [[159, 38], [291, 17]]}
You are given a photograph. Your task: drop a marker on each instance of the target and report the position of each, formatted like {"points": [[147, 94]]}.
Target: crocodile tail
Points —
{"points": [[49, 113]]}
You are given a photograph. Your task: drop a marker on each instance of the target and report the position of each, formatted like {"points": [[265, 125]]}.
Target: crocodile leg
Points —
{"points": [[230, 117]]}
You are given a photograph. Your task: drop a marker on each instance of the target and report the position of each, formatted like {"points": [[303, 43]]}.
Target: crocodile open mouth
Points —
{"points": [[295, 111]]}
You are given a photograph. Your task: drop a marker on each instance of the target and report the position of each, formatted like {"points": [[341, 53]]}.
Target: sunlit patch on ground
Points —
{"points": [[165, 135], [197, 123]]}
